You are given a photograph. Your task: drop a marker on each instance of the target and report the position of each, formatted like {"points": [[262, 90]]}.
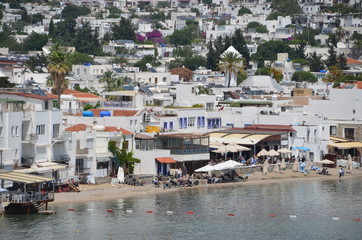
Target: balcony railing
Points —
{"points": [[30, 137], [123, 104]]}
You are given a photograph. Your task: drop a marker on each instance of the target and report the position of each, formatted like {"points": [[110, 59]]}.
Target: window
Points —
{"points": [[56, 129], [46, 105], [165, 125], [171, 125], [89, 143], [349, 133], [333, 130], [40, 129], [191, 122], [79, 165], [137, 144], [1, 131]]}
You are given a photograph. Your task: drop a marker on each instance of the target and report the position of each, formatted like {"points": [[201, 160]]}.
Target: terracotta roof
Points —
{"points": [[77, 128], [353, 61], [29, 95], [125, 132], [85, 95], [359, 85], [115, 129], [143, 136], [69, 91], [53, 96], [124, 113], [165, 160], [265, 127]]}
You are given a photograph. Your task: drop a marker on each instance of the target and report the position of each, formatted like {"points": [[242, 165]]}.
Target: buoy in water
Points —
{"points": [[169, 212], [149, 211], [231, 214], [109, 210], [129, 211], [357, 219], [293, 216], [70, 209], [272, 215], [335, 218]]}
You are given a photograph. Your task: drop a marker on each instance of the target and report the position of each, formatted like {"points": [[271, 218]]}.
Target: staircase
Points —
{"points": [[73, 187]]}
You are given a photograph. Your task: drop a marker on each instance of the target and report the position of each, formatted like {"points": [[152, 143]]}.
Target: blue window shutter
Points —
{"points": [[181, 125], [198, 121], [209, 123], [165, 125], [202, 121], [171, 125], [185, 122]]}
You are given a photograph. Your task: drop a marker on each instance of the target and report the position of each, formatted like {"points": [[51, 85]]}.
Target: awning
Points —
{"points": [[52, 165], [165, 160], [301, 148], [23, 177], [338, 139], [346, 145], [243, 139]]}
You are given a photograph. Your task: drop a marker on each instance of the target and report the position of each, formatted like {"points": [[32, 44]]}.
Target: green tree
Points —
{"points": [[58, 67], [73, 11], [211, 57], [332, 57], [147, 59], [299, 52], [244, 10], [334, 74], [356, 50], [342, 62], [269, 50], [37, 63], [272, 72], [65, 32], [52, 29], [4, 83], [86, 40], [35, 42], [301, 76], [231, 64], [286, 7], [124, 30], [80, 58], [259, 28], [239, 43], [308, 36], [113, 83], [121, 157], [183, 36], [315, 62]]}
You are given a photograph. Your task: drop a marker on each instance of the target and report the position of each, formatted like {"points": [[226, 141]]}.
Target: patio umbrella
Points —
{"points": [[296, 165], [276, 167], [327, 161], [206, 168], [216, 143], [231, 164], [284, 150], [266, 167], [349, 165], [283, 165], [263, 152], [273, 153]]}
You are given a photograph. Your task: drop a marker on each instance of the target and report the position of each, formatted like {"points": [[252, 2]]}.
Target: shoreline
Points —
{"points": [[107, 192]]}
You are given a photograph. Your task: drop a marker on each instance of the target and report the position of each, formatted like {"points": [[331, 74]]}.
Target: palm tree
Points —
{"points": [[231, 63], [121, 157], [113, 83], [58, 67]]}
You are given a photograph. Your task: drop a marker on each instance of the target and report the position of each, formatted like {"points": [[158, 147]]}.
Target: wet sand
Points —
{"points": [[105, 192]]}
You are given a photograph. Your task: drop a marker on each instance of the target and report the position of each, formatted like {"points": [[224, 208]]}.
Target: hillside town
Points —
{"points": [[152, 86]]}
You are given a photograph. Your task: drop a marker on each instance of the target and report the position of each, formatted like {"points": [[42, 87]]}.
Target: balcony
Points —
{"points": [[27, 161], [63, 158], [30, 138]]}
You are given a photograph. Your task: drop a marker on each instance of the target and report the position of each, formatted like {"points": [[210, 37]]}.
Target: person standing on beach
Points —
{"points": [[340, 172]]}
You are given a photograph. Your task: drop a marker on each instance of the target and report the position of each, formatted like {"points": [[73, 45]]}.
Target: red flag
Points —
{"points": [[220, 109], [150, 110]]}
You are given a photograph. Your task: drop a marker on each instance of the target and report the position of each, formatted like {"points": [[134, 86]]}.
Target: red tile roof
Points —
{"points": [[76, 128], [53, 96], [353, 61], [359, 85], [124, 113], [28, 95], [70, 91], [165, 160]]}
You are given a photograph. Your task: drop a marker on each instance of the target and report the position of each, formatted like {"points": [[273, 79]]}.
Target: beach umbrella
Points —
{"points": [[296, 165], [349, 165], [273, 153], [276, 167], [284, 150], [206, 168], [283, 165], [327, 161], [263, 152], [216, 143], [230, 164], [266, 167]]}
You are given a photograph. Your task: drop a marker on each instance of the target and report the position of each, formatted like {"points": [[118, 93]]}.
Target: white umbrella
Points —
{"points": [[230, 164], [216, 143], [206, 168], [283, 165], [263, 152], [296, 165], [349, 165], [276, 167], [273, 153], [284, 150], [327, 161], [266, 167]]}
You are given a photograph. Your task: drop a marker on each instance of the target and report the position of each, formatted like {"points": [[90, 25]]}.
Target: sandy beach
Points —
{"points": [[104, 192]]}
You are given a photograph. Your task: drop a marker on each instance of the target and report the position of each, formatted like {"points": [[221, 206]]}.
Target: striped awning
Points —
{"points": [[338, 139], [23, 177], [165, 160], [346, 145], [52, 165]]}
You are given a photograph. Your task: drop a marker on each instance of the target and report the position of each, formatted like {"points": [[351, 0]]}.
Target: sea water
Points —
{"points": [[321, 209]]}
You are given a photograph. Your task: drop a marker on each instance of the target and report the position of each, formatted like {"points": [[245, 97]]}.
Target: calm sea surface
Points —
{"points": [[261, 212]]}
